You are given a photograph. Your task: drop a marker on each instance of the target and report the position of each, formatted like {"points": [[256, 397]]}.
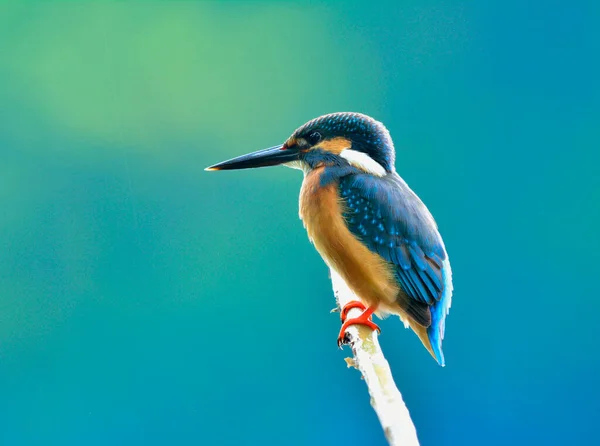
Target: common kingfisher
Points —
{"points": [[366, 223]]}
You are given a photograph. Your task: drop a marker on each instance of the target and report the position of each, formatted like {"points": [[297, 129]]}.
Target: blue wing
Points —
{"points": [[387, 216]]}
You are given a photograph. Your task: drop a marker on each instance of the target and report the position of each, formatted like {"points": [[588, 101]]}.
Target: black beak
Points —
{"points": [[272, 156]]}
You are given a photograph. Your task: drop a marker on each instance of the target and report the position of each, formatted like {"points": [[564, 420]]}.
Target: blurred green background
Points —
{"points": [[145, 301]]}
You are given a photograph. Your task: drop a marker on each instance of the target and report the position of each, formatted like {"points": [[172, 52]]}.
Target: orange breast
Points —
{"points": [[366, 273]]}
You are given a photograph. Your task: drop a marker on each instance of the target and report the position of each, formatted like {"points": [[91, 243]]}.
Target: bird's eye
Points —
{"points": [[314, 138]]}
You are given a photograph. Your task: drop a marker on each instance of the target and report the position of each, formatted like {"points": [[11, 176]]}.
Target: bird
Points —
{"points": [[366, 222]]}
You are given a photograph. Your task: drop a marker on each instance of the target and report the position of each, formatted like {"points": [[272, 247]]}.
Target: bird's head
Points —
{"points": [[337, 139]]}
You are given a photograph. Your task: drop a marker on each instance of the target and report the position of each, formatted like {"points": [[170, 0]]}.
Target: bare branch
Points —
{"points": [[386, 399]]}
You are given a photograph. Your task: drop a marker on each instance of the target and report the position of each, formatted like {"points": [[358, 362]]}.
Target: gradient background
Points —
{"points": [[145, 301]]}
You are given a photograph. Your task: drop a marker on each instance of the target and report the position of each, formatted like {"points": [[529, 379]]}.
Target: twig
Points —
{"points": [[386, 399]]}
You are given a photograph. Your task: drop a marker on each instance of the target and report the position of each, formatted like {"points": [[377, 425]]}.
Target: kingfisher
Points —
{"points": [[366, 223]]}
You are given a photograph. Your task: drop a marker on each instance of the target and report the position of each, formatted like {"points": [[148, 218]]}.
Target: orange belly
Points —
{"points": [[366, 273]]}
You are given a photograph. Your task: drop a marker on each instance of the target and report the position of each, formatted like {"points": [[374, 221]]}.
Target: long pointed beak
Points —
{"points": [[272, 156]]}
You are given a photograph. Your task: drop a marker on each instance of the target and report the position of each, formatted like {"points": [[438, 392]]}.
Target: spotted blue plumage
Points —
{"points": [[387, 216]]}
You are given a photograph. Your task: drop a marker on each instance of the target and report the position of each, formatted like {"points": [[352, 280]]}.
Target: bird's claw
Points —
{"points": [[342, 340], [363, 319]]}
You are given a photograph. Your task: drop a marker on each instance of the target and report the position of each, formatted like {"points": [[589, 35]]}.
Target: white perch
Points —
{"points": [[386, 399]]}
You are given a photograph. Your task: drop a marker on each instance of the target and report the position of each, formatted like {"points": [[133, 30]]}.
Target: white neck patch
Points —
{"points": [[363, 161], [300, 165]]}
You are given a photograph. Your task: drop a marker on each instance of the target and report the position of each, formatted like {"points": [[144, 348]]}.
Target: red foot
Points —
{"points": [[349, 306], [363, 319]]}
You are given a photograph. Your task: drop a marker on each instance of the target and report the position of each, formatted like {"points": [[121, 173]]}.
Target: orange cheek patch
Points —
{"points": [[335, 145], [291, 142]]}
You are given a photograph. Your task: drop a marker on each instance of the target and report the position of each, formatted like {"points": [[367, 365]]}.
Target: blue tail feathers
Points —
{"points": [[439, 311]]}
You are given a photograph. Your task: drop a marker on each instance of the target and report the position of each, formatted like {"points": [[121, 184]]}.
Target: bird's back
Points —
{"points": [[389, 218]]}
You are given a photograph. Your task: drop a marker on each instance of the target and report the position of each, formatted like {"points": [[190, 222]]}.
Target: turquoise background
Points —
{"points": [[145, 301]]}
